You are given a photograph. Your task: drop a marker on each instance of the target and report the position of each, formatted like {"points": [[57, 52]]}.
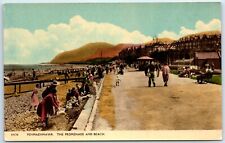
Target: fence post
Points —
{"points": [[19, 88], [15, 88]]}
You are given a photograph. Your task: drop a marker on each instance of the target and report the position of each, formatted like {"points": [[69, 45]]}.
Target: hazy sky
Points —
{"points": [[35, 33]]}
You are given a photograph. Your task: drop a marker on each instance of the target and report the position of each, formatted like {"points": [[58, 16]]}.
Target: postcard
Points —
{"points": [[112, 71]]}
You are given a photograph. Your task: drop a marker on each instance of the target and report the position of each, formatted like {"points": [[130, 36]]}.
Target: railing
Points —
{"points": [[40, 82]]}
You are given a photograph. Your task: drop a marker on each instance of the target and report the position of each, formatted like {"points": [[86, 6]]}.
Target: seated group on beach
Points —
{"points": [[49, 105]]}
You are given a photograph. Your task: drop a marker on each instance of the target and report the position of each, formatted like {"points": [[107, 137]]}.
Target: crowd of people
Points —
{"points": [[76, 94], [49, 104], [202, 74], [152, 68]]}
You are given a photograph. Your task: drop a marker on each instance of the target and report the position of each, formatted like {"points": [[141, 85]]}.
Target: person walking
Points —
{"points": [[33, 74], [165, 73], [150, 74], [66, 75], [158, 68]]}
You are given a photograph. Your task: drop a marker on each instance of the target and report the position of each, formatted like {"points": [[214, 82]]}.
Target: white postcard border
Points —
{"points": [[114, 135]]}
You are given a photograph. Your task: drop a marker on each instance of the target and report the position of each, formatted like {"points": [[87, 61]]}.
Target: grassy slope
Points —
{"points": [[86, 52]]}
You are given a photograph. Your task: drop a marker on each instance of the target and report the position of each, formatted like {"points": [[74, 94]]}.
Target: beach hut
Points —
{"points": [[145, 58], [142, 62]]}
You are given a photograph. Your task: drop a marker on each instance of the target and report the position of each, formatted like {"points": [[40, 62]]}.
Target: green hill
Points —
{"points": [[88, 52]]}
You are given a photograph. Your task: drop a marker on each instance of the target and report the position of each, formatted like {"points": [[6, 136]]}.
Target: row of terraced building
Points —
{"points": [[196, 49]]}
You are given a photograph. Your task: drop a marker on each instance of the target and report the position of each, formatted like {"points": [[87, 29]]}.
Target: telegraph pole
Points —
{"points": [[101, 58]]}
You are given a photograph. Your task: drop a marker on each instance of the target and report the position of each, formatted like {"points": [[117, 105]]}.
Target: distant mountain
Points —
{"points": [[88, 52]]}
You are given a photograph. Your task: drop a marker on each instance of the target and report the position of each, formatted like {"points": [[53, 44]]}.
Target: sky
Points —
{"points": [[35, 33]]}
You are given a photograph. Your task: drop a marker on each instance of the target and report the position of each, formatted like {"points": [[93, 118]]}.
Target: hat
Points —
{"points": [[55, 82]]}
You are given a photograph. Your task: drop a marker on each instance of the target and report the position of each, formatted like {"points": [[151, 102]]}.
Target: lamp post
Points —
{"points": [[218, 50]]}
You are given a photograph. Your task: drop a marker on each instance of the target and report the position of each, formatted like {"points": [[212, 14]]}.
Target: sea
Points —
{"points": [[27, 67]]}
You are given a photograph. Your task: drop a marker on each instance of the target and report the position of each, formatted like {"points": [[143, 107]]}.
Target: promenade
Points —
{"points": [[183, 105]]}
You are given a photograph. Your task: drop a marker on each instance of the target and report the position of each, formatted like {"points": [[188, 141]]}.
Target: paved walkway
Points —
{"points": [[182, 105]]}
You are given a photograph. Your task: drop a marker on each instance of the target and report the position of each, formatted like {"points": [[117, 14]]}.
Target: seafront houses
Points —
{"points": [[204, 47]]}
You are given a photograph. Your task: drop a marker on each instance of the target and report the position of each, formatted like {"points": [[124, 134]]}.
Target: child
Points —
{"points": [[117, 80], [34, 98]]}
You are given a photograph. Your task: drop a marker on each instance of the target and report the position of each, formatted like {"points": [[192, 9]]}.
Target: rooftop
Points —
{"points": [[207, 55]]}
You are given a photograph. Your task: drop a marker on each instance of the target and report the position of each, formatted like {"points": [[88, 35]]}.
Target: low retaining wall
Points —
{"points": [[87, 115]]}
